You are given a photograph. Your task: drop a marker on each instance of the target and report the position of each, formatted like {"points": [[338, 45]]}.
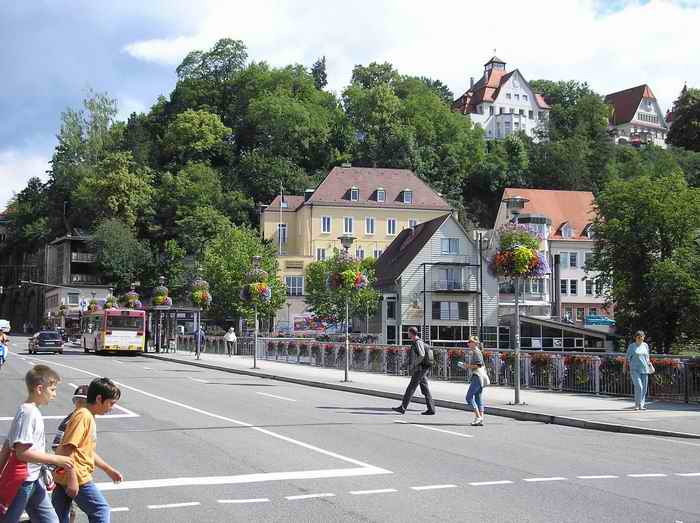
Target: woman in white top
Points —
{"points": [[639, 364], [230, 339]]}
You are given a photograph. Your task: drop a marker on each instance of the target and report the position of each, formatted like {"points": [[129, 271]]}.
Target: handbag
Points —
{"points": [[47, 478], [651, 368], [483, 376], [12, 476]]}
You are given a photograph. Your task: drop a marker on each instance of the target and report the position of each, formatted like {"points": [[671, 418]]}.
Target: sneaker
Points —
{"points": [[428, 413], [642, 408], [480, 422], [399, 409], [476, 422], [637, 408]]}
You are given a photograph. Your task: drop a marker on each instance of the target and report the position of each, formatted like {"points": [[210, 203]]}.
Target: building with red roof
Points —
{"points": [[636, 117]]}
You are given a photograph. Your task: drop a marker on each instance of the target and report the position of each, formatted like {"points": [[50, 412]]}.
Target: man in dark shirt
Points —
{"points": [[420, 363]]}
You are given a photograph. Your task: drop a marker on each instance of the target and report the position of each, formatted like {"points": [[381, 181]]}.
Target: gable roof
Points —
{"points": [[293, 203], [573, 207], [488, 88], [333, 190], [406, 246], [625, 103]]}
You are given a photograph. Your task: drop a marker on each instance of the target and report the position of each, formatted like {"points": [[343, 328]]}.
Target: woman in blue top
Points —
{"points": [[640, 367]]}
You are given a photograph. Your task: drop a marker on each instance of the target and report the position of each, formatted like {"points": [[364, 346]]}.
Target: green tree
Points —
{"points": [[201, 226], [194, 134], [227, 261], [318, 71], [222, 61], [374, 74], [646, 229], [685, 126], [27, 216], [329, 304], [121, 256]]}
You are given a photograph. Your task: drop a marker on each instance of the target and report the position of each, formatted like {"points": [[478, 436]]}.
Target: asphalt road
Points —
{"points": [[202, 445]]}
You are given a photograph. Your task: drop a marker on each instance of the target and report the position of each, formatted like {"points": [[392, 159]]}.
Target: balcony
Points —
{"points": [[452, 285], [83, 257], [84, 278]]}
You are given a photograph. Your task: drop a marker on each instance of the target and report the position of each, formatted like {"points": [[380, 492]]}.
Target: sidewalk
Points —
{"points": [[576, 410]]}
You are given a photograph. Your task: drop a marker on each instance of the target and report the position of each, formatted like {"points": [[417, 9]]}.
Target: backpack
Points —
{"points": [[429, 358]]}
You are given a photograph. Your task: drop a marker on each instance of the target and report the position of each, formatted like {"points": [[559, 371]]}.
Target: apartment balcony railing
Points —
{"points": [[452, 285], [84, 278], [85, 257]]}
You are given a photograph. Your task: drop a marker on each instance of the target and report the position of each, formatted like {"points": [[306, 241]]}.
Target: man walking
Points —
{"points": [[420, 363]]}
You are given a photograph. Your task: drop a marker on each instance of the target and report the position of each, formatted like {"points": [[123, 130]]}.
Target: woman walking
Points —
{"points": [[640, 367], [474, 361]]}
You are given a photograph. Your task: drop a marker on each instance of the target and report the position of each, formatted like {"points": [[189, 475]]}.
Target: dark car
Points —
{"points": [[45, 341]]}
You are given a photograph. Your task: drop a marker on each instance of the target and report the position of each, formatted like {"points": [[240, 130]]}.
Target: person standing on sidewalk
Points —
{"points": [[474, 361], [420, 363], [640, 367], [230, 339]]}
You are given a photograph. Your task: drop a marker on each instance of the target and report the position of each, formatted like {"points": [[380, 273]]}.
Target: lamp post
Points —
{"points": [[514, 204], [199, 284], [346, 241], [256, 274]]}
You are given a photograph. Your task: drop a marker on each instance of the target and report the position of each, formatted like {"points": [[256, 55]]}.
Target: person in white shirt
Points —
{"points": [[231, 341]]}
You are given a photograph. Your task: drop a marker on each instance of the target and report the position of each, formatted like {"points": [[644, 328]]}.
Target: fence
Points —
{"points": [[676, 379]]}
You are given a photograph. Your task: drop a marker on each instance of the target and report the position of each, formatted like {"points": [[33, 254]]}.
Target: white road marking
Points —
{"points": [[197, 380], [175, 505], [73, 385], [148, 368], [126, 414], [237, 501], [539, 480], [487, 483], [602, 476], [461, 435], [433, 487], [119, 509], [646, 475], [274, 396], [119, 362], [365, 467], [376, 491], [688, 474], [310, 496], [242, 478]]}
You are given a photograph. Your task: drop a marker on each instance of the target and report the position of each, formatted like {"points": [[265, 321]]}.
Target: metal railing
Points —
{"points": [[451, 285], [83, 257]]}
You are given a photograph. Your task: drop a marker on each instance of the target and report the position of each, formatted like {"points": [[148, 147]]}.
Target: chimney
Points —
{"points": [[308, 193], [471, 82]]}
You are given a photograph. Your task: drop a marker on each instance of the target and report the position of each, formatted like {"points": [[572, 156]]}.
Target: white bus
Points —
{"points": [[113, 330]]}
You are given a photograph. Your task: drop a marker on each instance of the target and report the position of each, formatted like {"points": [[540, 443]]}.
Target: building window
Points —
{"points": [[354, 194], [508, 97], [449, 245], [490, 109], [517, 96], [381, 195], [593, 311], [573, 287], [391, 310], [524, 98], [360, 253], [320, 254], [369, 225], [295, 285], [580, 311], [450, 310], [407, 196], [564, 260], [391, 226], [377, 253], [536, 286], [73, 298], [521, 112], [587, 259], [282, 236], [573, 260], [569, 313], [412, 223], [567, 231], [530, 115], [326, 224], [501, 110], [589, 287], [564, 287], [347, 225]]}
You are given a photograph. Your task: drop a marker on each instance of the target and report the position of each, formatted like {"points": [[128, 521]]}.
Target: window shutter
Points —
{"points": [[436, 310]]}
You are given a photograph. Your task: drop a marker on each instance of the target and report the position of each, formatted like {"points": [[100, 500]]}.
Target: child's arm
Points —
{"points": [[25, 452], [72, 486], [113, 473]]}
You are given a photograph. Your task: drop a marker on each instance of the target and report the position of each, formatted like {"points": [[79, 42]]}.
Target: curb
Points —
{"points": [[520, 415]]}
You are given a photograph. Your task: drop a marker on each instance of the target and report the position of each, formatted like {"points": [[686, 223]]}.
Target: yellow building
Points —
{"points": [[372, 205]]}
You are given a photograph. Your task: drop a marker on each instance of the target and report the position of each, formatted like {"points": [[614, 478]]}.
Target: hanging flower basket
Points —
{"points": [[518, 254], [347, 280], [131, 300], [111, 302], [160, 296], [93, 306], [200, 296]]}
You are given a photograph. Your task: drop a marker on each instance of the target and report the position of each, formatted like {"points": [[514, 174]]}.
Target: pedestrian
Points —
{"points": [[478, 379], [639, 365], [79, 442], [24, 481], [420, 362], [231, 340], [79, 401]]}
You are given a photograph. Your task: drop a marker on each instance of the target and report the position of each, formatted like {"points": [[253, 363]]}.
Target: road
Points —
{"points": [[203, 445]]}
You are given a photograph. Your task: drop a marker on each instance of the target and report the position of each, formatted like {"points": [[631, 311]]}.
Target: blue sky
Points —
{"points": [[53, 52]]}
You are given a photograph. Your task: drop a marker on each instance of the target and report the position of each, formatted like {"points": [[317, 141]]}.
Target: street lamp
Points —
{"points": [[514, 204], [256, 274], [346, 241]]}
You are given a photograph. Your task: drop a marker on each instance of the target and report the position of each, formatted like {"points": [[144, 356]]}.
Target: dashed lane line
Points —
{"points": [[197, 380], [242, 501], [426, 427], [275, 396], [433, 487], [688, 474], [375, 491], [489, 483], [601, 476], [541, 480], [310, 496], [148, 368], [175, 505], [646, 475], [119, 509]]}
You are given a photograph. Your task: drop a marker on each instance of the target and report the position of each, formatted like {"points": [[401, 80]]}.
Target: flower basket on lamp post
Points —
{"points": [[201, 298], [254, 291]]}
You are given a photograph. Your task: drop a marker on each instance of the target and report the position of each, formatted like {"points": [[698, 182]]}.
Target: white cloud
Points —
{"points": [[612, 46], [16, 168]]}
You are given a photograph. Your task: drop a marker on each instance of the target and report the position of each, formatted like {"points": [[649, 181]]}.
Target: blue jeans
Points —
{"points": [[641, 385], [33, 498], [474, 394], [89, 499]]}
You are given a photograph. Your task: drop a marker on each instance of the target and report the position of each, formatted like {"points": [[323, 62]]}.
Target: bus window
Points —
{"points": [[125, 323]]}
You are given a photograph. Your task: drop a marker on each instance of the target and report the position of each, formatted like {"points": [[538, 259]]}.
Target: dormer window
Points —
{"points": [[354, 194], [407, 196], [381, 195], [567, 231], [588, 231]]}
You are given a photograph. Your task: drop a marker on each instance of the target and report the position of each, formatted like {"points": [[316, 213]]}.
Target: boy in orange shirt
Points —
{"points": [[79, 443]]}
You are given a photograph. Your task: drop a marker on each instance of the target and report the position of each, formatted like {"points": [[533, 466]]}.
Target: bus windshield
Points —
{"points": [[125, 323]]}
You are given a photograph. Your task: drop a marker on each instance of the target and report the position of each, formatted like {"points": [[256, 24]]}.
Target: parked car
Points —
{"points": [[45, 341], [595, 319]]}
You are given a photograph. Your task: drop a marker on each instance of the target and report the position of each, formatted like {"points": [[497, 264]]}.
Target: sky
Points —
{"points": [[54, 52]]}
